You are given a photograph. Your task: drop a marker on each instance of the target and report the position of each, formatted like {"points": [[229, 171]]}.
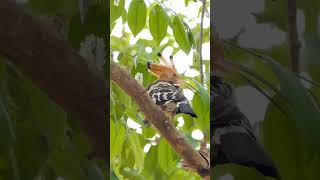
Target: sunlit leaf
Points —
{"points": [[116, 9], [201, 105], [137, 16], [158, 23], [137, 151], [117, 142], [148, 132], [180, 34], [166, 157]]}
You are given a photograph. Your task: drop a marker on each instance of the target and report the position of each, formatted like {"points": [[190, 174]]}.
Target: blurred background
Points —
{"points": [[261, 26]]}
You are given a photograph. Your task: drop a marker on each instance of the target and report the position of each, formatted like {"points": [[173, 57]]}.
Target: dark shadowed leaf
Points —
{"points": [[306, 114], [7, 134]]}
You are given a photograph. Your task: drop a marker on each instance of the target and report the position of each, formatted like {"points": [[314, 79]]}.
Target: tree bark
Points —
{"points": [[156, 117], [40, 53]]}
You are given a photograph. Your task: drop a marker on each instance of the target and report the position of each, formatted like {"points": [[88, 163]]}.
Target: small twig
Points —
{"points": [[127, 54], [293, 36], [156, 117], [264, 58], [200, 41]]}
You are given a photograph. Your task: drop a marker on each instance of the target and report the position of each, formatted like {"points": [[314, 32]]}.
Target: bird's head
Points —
{"points": [[165, 70]]}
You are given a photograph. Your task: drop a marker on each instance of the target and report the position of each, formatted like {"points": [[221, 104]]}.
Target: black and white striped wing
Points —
{"points": [[164, 92]]}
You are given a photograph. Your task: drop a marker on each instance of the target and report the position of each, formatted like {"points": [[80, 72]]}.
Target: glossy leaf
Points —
{"points": [[137, 16], [158, 23], [119, 134], [180, 34], [116, 9], [201, 104], [166, 157], [137, 151]]}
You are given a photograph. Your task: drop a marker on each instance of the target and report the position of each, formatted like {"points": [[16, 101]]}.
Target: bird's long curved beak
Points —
{"points": [[149, 64]]}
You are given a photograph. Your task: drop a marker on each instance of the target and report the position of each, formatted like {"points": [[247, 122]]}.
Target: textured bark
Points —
{"points": [[156, 117], [40, 53]]}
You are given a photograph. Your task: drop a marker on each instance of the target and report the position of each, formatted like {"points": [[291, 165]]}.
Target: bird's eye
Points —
{"points": [[174, 75]]}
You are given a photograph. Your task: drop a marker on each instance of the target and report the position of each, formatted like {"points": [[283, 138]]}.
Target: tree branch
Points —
{"points": [[41, 54], [201, 40], [293, 36], [155, 116], [217, 51]]}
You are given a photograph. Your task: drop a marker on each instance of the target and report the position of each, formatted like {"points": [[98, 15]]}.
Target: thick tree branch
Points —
{"points": [[42, 55], [155, 116], [293, 36]]}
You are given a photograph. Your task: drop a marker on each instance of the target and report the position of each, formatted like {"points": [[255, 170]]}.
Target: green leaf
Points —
{"points": [[116, 9], [50, 118], [274, 13], [186, 175], [94, 172], [124, 16], [7, 134], [94, 23], [167, 157], [49, 7], [112, 132], [68, 162], [116, 145], [30, 142], [150, 159], [83, 8], [148, 132], [300, 103], [117, 142], [137, 16], [137, 151], [201, 106], [279, 129], [180, 34], [192, 41], [238, 172], [158, 23]]}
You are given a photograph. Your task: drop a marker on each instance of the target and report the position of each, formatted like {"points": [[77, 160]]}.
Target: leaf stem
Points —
{"points": [[201, 41]]}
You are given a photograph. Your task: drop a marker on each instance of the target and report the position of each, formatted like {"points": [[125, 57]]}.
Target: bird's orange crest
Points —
{"points": [[165, 70]]}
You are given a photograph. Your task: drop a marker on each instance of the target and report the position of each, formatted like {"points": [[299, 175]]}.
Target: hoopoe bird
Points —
{"points": [[166, 91], [232, 136]]}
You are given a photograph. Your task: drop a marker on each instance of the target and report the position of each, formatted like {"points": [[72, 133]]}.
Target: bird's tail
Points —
{"points": [[240, 148], [186, 109]]}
